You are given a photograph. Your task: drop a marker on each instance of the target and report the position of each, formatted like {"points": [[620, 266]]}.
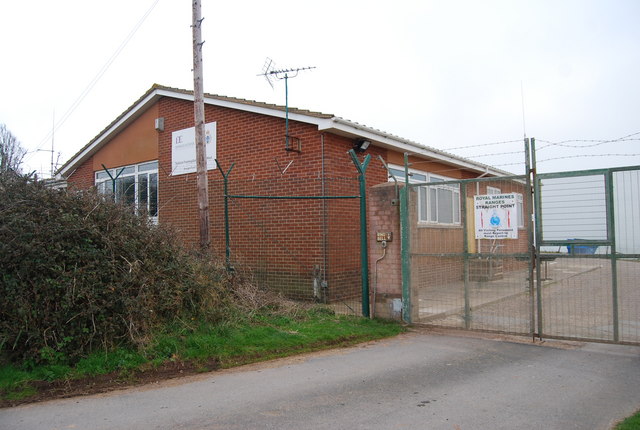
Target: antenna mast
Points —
{"points": [[524, 127], [53, 130], [53, 133], [269, 72]]}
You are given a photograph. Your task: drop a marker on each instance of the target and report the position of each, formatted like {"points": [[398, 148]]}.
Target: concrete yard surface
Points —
{"points": [[420, 380]]}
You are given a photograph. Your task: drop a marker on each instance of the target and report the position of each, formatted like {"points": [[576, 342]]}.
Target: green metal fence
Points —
{"points": [[588, 225], [457, 278], [572, 273], [300, 235]]}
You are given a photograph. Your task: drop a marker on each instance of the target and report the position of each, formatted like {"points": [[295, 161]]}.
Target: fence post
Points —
{"points": [[405, 245], [465, 251], [537, 197], [611, 237], [225, 179], [113, 180], [529, 222], [364, 250]]}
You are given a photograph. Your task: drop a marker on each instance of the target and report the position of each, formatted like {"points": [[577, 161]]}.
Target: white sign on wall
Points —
{"points": [[183, 149], [496, 216]]}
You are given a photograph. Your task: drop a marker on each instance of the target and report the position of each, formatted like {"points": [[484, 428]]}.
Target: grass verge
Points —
{"points": [[192, 347], [631, 423]]}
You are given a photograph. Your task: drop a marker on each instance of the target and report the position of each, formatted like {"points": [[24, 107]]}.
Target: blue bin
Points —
{"points": [[581, 249]]}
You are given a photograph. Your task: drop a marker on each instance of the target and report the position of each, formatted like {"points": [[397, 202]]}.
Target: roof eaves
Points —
{"points": [[322, 120], [102, 137], [413, 148], [157, 91], [244, 104]]}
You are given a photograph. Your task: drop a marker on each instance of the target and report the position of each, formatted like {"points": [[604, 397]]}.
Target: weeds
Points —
{"points": [[207, 346]]}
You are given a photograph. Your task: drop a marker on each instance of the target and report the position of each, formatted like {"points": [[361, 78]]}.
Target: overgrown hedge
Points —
{"points": [[79, 273]]}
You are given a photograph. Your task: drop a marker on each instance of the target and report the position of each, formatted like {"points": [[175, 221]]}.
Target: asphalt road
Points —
{"points": [[415, 381]]}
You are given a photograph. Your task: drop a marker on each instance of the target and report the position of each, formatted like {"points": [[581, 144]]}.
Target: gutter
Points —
{"points": [[416, 149]]}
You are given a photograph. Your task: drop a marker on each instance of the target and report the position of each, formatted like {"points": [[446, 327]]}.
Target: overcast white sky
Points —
{"points": [[447, 74]]}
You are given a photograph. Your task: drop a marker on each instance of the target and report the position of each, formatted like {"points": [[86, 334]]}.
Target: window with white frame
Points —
{"points": [[437, 204], [415, 176], [493, 190], [135, 186]]}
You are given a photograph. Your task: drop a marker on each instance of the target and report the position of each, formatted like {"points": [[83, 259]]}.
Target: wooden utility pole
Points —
{"points": [[201, 150]]}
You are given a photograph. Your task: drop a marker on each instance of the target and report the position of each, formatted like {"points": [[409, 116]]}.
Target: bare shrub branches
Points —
{"points": [[11, 152]]}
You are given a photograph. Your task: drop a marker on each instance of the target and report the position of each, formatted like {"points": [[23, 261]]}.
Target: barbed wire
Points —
{"points": [[484, 144], [424, 164], [517, 163], [586, 156], [494, 154], [521, 163], [563, 143], [590, 142]]}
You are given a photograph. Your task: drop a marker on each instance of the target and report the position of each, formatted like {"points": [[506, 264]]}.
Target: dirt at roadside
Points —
{"points": [[110, 382], [180, 369], [166, 372]]}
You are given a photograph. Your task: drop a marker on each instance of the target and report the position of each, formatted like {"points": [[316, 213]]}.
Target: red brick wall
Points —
{"points": [[283, 242], [286, 243], [83, 177], [386, 275]]}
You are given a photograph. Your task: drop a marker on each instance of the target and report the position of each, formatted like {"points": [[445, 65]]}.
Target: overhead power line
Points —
{"points": [[96, 78]]}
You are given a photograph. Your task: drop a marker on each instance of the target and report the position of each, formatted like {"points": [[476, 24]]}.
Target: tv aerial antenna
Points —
{"points": [[270, 73]]}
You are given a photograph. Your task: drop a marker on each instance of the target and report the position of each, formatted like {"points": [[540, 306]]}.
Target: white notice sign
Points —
{"points": [[183, 149], [496, 216]]}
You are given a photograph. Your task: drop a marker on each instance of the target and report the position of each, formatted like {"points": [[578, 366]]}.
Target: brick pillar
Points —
{"points": [[385, 276]]}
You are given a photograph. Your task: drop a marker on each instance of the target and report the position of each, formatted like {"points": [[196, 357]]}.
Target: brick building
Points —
{"points": [[307, 247]]}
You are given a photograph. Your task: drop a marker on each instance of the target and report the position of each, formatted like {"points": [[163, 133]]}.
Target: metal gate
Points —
{"points": [[588, 229], [548, 255]]}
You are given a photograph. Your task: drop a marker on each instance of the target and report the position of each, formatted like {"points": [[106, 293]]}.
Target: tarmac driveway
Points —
{"points": [[420, 380]]}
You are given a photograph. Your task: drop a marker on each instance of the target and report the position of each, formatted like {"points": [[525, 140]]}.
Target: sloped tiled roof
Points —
{"points": [[246, 102], [324, 121]]}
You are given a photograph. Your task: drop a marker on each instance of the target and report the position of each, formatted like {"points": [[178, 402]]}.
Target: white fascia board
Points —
{"points": [[158, 93], [261, 110], [403, 145], [106, 135]]}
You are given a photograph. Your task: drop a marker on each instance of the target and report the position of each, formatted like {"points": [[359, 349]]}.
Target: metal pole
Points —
{"points": [[538, 235], [286, 111], [465, 250], [611, 236], [364, 250], [227, 240], [113, 180], [530, 238], [405, 244], [201, 150]]}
